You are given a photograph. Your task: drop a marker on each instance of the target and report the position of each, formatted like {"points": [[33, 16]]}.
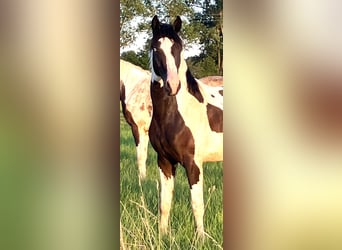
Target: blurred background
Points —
{"points": [[283, 106], [57, 152]]}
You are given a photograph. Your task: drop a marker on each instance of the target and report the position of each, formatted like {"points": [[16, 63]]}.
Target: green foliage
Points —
{"points": [[140, 59], [212, 32], [167, 10], [202, 67], [129, 11], [202, 23]]}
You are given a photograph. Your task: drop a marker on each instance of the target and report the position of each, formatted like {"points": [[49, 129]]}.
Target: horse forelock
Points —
{"points": [[166, 30], [193, 86]]}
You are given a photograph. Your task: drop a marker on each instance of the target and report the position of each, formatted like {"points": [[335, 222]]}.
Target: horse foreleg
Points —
{"points": [[140, 141], [142, 152], [195, 177], [167, 174]]}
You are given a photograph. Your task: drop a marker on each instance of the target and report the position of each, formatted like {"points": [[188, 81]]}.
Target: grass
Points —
{"points": [[139, 204]]}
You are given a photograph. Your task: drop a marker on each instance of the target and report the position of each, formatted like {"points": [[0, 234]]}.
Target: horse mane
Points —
{"points": [[203, 92], [193, 86]]}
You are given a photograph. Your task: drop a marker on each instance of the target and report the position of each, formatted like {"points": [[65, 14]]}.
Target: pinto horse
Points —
{"points": [[136, 107], [187, 120]]}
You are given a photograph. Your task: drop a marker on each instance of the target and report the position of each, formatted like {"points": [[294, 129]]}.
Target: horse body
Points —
{"points": [[212, 80], [136, 107], [207, 145], [187, 118]]}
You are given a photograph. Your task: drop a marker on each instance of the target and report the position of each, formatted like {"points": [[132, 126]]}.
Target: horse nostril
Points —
{"points": [[168, 87]]}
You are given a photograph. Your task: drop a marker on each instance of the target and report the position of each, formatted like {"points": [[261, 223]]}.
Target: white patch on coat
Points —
{"points": [[141, 150], [211, 94], [137, 91], [131, 74], [197, 202], [172, 71], [208, 143], [166, 194]]}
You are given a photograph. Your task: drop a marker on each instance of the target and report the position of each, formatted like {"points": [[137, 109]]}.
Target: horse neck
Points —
{"points": [[189, 85], [183, 76], [163, 104]]}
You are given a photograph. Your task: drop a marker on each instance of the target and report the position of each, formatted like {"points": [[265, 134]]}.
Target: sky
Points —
{"points": [[189, 49]]}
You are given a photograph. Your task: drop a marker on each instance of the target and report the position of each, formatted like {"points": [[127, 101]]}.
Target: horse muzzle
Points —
{"points": [[172, 88]]}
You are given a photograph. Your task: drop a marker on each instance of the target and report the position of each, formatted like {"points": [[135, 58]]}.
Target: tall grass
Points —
{"points": [[140, 209]]}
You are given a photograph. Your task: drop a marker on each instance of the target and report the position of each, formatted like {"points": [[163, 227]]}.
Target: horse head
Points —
{"points": [[166, 54]]}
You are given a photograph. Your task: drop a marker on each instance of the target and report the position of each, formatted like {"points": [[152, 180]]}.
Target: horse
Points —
{"points": [[136, 107], [187, 120]]}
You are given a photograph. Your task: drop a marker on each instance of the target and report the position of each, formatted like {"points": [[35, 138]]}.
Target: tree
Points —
{"points": [[130, 10], [140, 59], [202, 23], [136, 16], [211, 36], [201, 67]]}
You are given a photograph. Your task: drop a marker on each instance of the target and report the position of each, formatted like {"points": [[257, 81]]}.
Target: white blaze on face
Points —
{"points": [[166, 194], [172, 71], [197, 203], [141, 150]]}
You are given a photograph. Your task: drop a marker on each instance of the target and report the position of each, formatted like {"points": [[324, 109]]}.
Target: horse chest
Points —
{"points": [[169, 134]]}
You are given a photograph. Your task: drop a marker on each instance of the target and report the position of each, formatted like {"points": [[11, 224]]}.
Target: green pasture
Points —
{"points": [[139, 203]]}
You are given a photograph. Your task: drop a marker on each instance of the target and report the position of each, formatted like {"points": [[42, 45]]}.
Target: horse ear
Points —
{"points": [[155, 24], [177, 24]]}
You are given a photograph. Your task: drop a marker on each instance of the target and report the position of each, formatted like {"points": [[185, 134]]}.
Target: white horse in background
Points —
{"points": [[136, 107]]}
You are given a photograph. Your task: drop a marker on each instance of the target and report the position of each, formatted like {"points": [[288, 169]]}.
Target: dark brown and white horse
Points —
{"points": [[187, 120], [136, 107]]}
